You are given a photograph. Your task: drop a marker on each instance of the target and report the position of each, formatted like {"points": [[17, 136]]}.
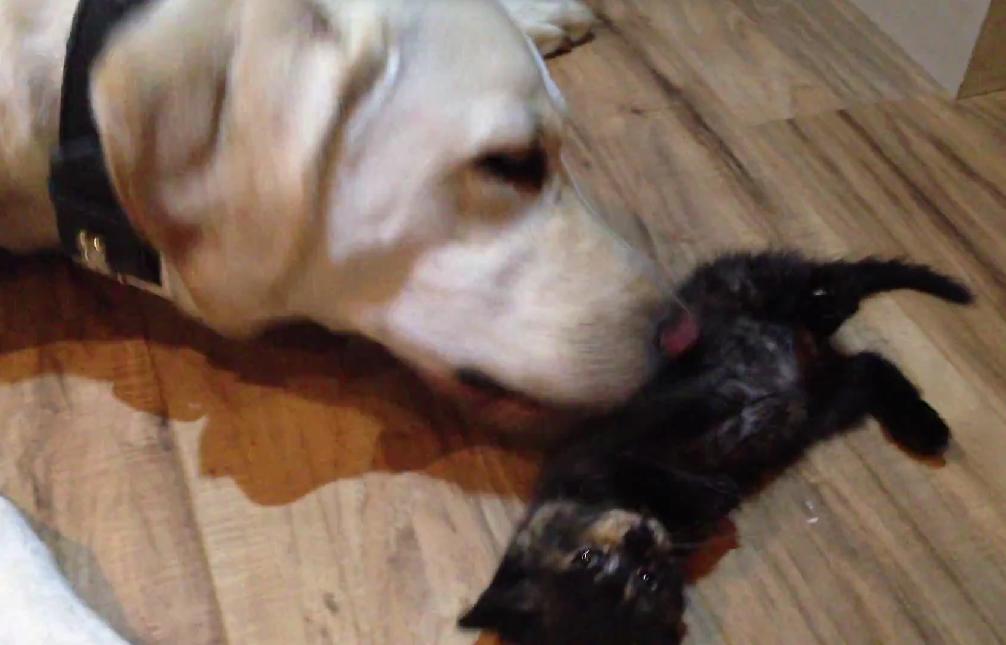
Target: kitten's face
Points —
{"points": [[580, 574]]}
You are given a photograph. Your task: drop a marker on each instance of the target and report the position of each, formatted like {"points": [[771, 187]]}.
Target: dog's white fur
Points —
{"points": [[317, 159]]}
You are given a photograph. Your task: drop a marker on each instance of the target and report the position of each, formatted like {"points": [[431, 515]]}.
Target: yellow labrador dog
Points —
{"points": [[387, 167]]}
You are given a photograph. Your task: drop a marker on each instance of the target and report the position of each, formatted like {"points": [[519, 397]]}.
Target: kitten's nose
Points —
{"points": [[639, 539]]}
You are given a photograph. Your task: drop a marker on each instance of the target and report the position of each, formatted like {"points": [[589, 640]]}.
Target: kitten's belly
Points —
{"points": [[761, 359], [766, 364]]}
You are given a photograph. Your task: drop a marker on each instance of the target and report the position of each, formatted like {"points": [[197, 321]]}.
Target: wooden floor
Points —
{"points": [[305, 489]]}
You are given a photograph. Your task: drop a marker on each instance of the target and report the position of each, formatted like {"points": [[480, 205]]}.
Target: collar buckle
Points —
{"points": [[93, 228], [93, 253]]}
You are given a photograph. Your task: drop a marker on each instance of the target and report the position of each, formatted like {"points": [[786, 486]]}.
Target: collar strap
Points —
{"points": [[93, 228]]}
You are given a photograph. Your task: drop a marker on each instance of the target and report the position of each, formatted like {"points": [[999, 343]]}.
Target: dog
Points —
{"points": [[391, 168]]}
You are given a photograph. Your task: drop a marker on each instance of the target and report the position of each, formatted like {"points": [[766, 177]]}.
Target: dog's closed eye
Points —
{"points": [[525, 169]]}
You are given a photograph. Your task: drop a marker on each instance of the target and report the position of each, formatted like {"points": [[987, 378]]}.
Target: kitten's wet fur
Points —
{"points": [[750, 380]]}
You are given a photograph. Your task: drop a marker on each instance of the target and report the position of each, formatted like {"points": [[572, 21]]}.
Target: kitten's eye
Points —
{"points": [[588, 558], [648, 579], [526, 169]]}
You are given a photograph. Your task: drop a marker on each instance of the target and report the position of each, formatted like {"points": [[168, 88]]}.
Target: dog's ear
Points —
{"points": [[216, 119]]}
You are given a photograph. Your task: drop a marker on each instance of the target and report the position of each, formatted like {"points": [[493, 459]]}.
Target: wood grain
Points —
{"points": [[87, 453], [308, 489], [939, 34], [987, 69]]}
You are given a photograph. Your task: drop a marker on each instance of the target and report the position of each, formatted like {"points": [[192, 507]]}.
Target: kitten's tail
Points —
{"points": [[838, 288], [872, 276]]}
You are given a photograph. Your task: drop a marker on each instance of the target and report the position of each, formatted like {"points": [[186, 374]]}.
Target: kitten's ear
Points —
{"points": [[678, 498], [510, 605]]}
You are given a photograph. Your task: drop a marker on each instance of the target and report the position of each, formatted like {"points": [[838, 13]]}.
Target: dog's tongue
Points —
{"points": [[676, 339]]}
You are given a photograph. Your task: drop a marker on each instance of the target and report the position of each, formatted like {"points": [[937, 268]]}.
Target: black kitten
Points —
{"points": [[750, 381]]}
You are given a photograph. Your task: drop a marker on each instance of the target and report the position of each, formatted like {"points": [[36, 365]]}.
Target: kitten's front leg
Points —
{"points": [[553, 25], [37, 605]]}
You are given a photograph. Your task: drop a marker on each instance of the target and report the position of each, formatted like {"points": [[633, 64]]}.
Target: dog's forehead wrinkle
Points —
{"points": [[365, 113]]}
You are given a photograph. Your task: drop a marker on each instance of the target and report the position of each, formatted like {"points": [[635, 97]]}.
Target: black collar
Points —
{"points": [[93, 228]]}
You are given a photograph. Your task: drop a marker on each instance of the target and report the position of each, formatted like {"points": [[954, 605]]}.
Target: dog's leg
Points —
{"points": [[37, 605], [553, 25]]}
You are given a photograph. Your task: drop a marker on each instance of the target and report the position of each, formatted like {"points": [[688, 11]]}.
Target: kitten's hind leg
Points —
{"points": [[896, 403]]}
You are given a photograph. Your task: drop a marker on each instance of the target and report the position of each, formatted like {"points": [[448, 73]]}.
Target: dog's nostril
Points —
{"points": [[481, 381]]}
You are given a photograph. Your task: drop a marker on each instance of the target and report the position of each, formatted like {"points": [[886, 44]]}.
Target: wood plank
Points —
{"points": [[338, 501], [87, 455], [770, 61], [840, 48], [987, 69], [940, 35], [754, 80]]}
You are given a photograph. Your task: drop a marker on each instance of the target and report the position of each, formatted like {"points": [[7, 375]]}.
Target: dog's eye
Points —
{"points": [[588, 558], [525, 169]]}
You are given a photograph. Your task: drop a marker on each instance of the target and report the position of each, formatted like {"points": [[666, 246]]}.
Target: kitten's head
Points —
{"points": [[577, 573]]}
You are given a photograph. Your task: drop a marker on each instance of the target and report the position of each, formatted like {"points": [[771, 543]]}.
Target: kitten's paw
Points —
{"points": [[553, 25], [920, 429]]}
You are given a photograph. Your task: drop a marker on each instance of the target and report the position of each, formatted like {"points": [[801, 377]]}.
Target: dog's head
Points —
{"points": [[387, 167]]}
